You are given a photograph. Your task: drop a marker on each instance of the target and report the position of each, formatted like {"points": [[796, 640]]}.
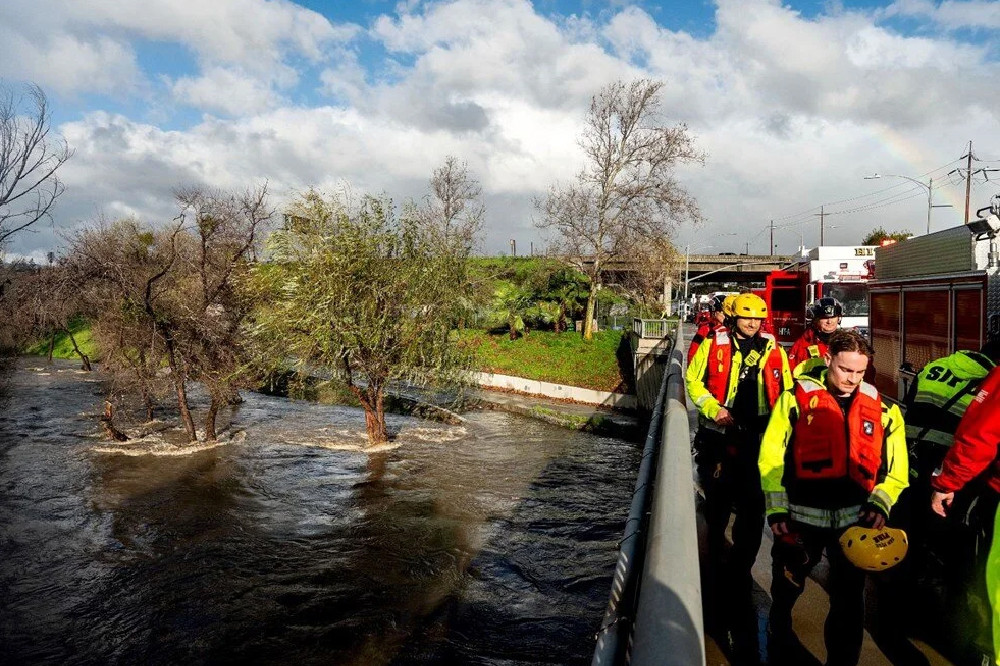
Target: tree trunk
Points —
{"points": [[561, 321], [181, 389], [588, 322], [108, 425], [52, 345], [375, 416], [213, 410], [512, 320], [76, 348]]}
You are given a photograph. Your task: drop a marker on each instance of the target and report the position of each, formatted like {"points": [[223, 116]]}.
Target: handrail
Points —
{"points": [[616, 626], [669, 628]]}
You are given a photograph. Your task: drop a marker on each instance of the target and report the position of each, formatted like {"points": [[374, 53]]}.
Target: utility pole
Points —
{"points": [[748, 248], [772, 238], [968, 181], [821, 215]]}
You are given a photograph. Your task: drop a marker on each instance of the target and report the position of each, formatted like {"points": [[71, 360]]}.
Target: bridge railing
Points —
{"points": [[654, 613], [669, 628], [652, 328]]}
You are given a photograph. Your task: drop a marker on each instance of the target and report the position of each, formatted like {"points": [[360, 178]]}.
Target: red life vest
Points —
{"points": [[720, 361], [829, 447], [807, 346]]}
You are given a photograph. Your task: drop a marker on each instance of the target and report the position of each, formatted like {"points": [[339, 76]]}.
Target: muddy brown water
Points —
{"points": [[491, 542]]}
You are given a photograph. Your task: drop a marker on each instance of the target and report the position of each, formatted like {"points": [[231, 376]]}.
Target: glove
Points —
{"points": [[780, 523], [871, 509]]}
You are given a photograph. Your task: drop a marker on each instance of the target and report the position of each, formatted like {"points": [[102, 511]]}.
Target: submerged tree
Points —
{"points": [[367, 294], [626, 196], [166, 297]]}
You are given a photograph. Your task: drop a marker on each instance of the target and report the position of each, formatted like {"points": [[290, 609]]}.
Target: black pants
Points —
{"points": [[947, 557], [792, 560], [728, 472]]}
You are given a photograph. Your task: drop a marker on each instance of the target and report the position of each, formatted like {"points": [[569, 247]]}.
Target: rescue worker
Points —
{"points": [[825, 316], [734, 380], [833, 456], [935, 403], [721, 307], [975, 451]]}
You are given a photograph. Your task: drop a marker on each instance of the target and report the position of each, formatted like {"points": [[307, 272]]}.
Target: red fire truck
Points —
{"points": [[838, 271], [933, 295]]}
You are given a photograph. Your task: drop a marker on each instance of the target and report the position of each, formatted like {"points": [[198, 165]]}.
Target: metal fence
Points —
{"points": [[654, 613]]}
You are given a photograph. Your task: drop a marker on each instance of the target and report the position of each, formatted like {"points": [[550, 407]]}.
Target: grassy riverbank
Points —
{"points": [[62, 346], [561, 358]]}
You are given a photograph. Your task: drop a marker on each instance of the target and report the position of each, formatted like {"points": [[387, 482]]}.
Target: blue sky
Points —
{"points": [[794, 102]]}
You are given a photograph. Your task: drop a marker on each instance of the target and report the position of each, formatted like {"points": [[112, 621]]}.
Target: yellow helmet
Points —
{"points": [[874, 550], [750, 306], [727, 304]]}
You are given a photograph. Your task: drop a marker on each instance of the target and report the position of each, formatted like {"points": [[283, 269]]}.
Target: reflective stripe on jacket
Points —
{"points": [[976, 441], [942, 392], [712, 374], [783, 490]]}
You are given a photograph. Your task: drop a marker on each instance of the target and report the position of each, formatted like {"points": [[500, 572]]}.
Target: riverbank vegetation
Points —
{"points": [[600, 364], [362, 290]]}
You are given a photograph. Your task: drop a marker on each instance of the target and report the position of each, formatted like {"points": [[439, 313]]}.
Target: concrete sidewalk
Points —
{"points": [[576, 416]]}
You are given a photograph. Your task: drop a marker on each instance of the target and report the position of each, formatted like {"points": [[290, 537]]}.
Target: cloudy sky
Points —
{"points": [[794, 103]]}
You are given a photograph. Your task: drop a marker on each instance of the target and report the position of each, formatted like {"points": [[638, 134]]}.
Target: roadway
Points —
{"points": [[810, 613]]}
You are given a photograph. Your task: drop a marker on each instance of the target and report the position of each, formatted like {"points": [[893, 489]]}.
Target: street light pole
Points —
{"points": [[929, 186]]}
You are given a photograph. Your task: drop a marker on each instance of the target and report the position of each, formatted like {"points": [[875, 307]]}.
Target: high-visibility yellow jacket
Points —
{"points": [[696, 377], [940, 395], [827, 502]]}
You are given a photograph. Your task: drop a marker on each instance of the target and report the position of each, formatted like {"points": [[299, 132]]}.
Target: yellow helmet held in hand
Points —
{"points": [[727, 304], [874, 550], [750, 306]]}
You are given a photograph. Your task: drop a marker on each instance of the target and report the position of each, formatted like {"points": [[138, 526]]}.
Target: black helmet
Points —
{"points": [[826, 308], [715, 305]]}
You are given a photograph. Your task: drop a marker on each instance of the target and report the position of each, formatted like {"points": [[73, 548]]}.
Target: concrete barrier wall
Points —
{"points": [[549, 390]]}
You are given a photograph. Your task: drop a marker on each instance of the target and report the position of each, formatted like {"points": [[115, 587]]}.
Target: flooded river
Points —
{"points": [[491, 542]]}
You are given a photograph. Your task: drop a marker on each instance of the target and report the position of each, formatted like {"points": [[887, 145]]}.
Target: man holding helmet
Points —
{"points": [[734, 379], [833, 456], [825, 316]]}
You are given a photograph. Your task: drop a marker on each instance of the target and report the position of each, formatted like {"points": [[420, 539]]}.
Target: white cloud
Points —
{"points": [[225, 90], [950, 14], [793, 111]]}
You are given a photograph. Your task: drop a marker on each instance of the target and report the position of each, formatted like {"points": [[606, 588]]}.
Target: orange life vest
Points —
{"points": [[720, 361], [828, 446]]}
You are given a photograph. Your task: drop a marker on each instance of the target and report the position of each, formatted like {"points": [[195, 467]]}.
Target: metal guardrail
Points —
{"points": [[669, 628], [612, 638], [654, 615], [651, 328]]}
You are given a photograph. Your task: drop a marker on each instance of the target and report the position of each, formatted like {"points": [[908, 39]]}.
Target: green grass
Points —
{"points": [[64, 347], [561, 358]]}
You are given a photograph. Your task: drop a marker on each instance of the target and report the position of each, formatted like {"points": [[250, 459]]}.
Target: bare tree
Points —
{"points": [[626, 197], [30, 156], [169, 296], [457, 202], [225, 231]]}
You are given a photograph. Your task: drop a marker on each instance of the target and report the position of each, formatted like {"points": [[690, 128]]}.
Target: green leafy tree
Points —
{"points": [[878, 234], [567, 288], [366, 294]]}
